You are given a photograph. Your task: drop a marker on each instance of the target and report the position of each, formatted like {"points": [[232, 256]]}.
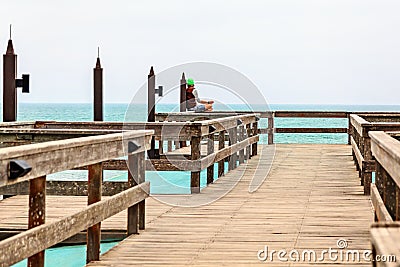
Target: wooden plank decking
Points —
{"points": [[311, 198]]}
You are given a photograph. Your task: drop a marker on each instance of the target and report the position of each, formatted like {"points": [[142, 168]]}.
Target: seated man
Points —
{"points": [[193, 102]]}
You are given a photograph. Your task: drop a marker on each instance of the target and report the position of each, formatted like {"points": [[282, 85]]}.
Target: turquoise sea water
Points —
{"points": [[172, 182]]}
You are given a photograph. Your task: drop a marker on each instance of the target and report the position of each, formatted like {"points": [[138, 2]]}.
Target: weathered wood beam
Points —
{"points": [[52, 157], [359, 124], [310, 114], [65, 188], [310, 130]]}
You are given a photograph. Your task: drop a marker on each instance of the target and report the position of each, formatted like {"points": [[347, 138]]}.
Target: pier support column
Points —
{"points": [[195, 153], [98, 91], [221, 145], [210, 150], [94, 195], [37, 213], [151, 113], [9, 88]]}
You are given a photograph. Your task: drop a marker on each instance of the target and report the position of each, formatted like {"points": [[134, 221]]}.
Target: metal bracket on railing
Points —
{"points": [[159, 90], [18, 168], [23, 83], [133, 146], [211, 129]]}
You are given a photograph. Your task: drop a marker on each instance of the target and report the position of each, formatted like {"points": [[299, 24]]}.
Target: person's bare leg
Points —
{"points": [[209, 107]]}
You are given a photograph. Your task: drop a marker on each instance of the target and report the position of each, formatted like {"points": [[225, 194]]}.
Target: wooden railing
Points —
{"points": [[271, 130], [385, 193], [360, 126], [385, 196], [235, 134], [31, 163], [270, 116]]}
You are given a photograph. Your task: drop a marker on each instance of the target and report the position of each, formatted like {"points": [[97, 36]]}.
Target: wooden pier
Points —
{"points": [[313, 197], [289, 211], [305, 198]]}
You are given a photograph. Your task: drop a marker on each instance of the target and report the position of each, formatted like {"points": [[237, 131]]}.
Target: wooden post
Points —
{"points": [[94, 195], [248, 148], [255, 132], [195, 153], [210, 150], [230, 157], [9, 88], [98, 91], [234, 141], [177, 144], [182, 107], [169, 143], [221, 145], [367, 176], [241, 138], [151, 100], [349, 129], [141, 179], [133, 211], [37, 213], [182, 104], [271, 129]]}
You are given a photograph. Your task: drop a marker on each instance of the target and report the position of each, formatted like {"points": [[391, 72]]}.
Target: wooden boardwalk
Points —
{"points": [[311, 198]]}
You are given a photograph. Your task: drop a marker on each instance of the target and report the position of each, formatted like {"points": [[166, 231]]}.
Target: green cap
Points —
{"points": [[190, 82]]}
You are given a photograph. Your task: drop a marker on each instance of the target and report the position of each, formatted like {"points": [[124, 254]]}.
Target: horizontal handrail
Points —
{"points": [[310, 114], [310, 130], [68, 154]]}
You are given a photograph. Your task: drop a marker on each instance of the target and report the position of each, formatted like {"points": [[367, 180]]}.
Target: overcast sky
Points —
{"points": [[317, 52]]}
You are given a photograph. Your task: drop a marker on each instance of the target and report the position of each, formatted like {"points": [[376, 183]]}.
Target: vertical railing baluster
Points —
{"points": [[94, 195], [210, 150], [37, 213], [221, 145], [241, 138], [195, 155]]}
